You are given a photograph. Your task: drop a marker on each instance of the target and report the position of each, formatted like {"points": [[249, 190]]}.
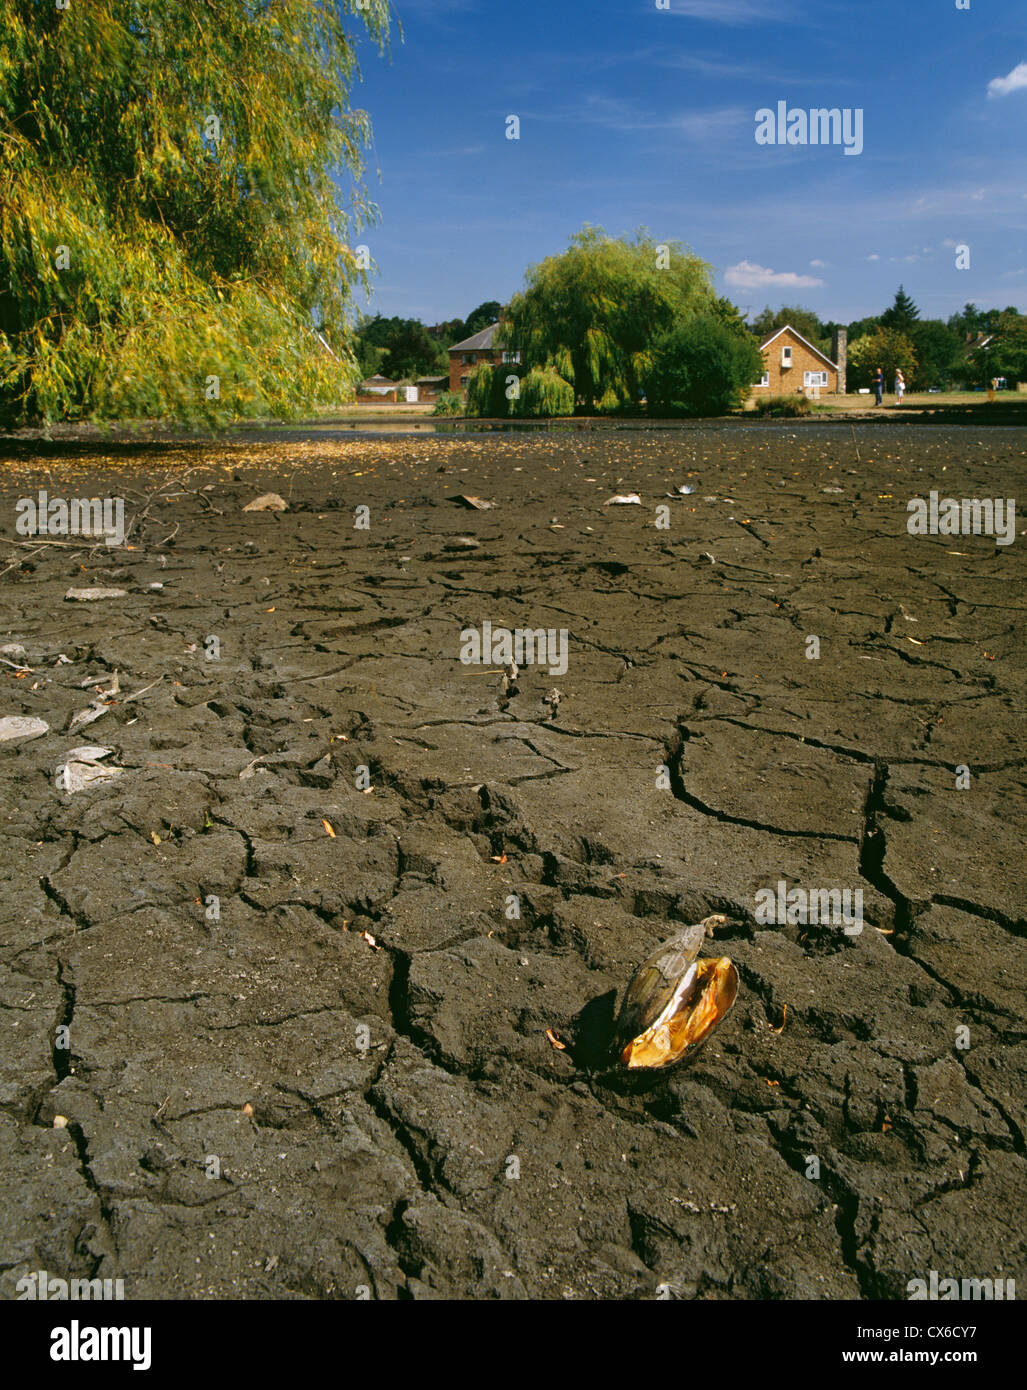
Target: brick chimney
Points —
{"points": [[839, 351]]}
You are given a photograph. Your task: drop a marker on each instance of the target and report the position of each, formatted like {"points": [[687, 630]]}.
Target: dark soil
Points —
{"points": [[343, 1084]]}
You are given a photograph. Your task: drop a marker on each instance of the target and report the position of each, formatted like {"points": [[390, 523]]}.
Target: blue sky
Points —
{"points": [[634, 116]]}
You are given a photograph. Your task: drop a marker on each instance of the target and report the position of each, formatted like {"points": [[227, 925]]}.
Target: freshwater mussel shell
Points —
{"points": [[706, 989]]}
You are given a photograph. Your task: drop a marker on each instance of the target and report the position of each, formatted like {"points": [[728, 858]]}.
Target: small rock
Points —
{"points": [[16, 727], [81, 769], [91, 595], [267, 502]]}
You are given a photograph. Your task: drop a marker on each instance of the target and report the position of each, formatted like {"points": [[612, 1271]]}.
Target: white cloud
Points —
{"points": [[819, 264], [727, 11], [873, 257], [748, 276], [1012, 82]]}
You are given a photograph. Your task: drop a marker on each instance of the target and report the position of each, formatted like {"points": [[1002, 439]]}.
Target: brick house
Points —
{"points": [[792, 364], [480, 347]]}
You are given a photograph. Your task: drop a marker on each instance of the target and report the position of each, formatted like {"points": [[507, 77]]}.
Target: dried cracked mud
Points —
{"points": [[340, 1084]]}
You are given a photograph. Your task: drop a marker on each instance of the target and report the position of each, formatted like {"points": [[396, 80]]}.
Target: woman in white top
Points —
{"points": [[900, 386]]}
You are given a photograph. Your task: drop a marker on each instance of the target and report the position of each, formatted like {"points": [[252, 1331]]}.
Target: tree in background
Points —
{"points": [[902, 315], [859, 328], [592, 313], [1007, 356], [544, 393], [448, 332], [408, 349], [967, 322], [702, 367], [939, 353], [481, 317], [883, 348], [170, 235], [804, 321]]}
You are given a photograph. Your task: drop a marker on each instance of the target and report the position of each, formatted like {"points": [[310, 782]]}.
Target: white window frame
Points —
{"points": [[764, 380], [786, 356], [814, 379], [509, 356]]}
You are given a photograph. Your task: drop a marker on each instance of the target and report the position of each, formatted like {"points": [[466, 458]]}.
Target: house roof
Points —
{"points": [[805, 341], [377, 380], [478, 342]]}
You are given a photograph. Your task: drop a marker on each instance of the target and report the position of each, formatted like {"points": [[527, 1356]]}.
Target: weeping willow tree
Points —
{"points": [[592, 314], [544, 393], [172, 243]]}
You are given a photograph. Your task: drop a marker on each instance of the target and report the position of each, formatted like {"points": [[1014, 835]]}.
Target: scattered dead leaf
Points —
{"points": [[328, 827], [555, 1040]]}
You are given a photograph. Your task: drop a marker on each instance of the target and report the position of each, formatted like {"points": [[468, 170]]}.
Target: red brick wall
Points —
{"points": [[458, 367]]}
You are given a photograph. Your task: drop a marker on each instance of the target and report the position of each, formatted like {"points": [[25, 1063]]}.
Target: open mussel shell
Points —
{"points": [[674, 1001]]}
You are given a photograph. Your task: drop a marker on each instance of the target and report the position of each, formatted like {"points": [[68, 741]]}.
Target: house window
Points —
{"points": [[786, 357], [511, 356], [814, 378], [764, 379], [466, 357], [464, 380]]}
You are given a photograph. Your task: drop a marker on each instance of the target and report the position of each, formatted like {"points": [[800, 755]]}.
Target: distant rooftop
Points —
{"points": [[478, 342]]}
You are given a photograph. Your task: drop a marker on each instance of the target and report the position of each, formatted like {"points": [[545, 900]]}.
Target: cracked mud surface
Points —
{"points": [[397, 1088]]}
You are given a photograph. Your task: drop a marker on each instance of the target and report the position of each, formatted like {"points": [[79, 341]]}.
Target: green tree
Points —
{"points": [[369, 359], [545, 393], [449, 331], [170, 230], [702, 367], [804, 321], [481, 317], [883, 348], [902, 314], [593, 312], [859, 328], [408, 349], [967, 322], [939, 354], [1007, 356]]}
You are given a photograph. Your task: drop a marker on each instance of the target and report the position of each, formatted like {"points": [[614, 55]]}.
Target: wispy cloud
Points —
{"points": [[728, 11], [748, 276], [1014, 81], [617, 114]]}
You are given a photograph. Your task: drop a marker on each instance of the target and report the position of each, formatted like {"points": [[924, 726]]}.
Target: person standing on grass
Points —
{"points": [[900, 385], [879, 386]]}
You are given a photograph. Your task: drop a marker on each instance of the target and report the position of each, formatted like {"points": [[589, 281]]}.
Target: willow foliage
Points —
{"points": [[545, 393], [593, 312], [171, 240]]}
